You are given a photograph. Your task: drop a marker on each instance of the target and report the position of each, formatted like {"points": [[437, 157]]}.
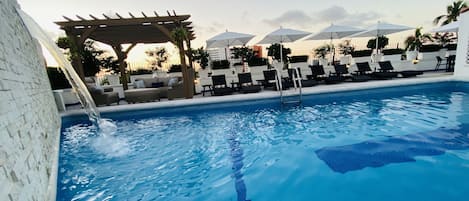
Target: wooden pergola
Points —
{"points": [[132, 30]]}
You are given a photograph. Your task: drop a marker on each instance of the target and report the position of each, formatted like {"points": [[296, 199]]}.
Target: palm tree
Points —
{"points": [[179, 35], [453, 12], [416, 41]]}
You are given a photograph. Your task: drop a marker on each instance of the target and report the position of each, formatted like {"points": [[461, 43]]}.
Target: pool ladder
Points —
{"points": [[290, 98]]}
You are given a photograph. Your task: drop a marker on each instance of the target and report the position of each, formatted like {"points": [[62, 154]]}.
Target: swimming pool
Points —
{"points": [[401, 143]]}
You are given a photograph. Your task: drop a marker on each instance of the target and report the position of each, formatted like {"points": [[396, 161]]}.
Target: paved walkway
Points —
{"points": [[428, 77]]}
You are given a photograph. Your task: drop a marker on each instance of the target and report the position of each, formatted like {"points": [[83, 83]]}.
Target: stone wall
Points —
{"points": [[29, 121], [461, 69]]}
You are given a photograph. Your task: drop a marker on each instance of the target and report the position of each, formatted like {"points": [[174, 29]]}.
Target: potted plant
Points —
{"points": [[274, 52], [200, 56], [244, 54], [415, 42], [321, 52], [346, 49]]}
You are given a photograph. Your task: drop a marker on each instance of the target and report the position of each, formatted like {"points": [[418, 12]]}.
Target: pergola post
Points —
{"points": [[189, 53], [187, 73], [133, 30], [121, 57]]}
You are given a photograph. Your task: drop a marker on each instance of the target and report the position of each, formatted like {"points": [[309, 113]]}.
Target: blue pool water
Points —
{"points": [[402, 143]]}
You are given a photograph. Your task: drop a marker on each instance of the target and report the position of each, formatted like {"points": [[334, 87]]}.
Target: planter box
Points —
{"points": [[392, 57], [361, 59], [411, 55]]}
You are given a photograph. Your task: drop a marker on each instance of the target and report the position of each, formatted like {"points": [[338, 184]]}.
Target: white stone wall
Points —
{"points": [[29, 121], [461, 68]]}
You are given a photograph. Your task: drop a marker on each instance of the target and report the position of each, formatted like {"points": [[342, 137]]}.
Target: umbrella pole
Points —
{"points": [[226, 53], [281, 56], [333, 52], [377, 38]]}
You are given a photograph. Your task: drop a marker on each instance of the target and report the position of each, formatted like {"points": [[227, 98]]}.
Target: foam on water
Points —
{"points": [[107, 143]]}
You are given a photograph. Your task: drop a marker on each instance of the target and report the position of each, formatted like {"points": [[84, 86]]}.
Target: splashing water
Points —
{"points": [[72, 77], [105, 143], [108, 144]]}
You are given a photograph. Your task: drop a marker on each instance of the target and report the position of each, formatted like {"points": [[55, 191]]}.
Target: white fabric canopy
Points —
{"points": [[283, 35], [228, 39], [335, 32], [451, 27], [381, 29]]}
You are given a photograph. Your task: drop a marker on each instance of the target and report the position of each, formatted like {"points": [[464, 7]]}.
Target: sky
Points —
{"points": [[257, 17]]}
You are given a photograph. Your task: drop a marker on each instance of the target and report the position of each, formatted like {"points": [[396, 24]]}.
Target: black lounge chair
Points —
{"points": [[319, 74], [342, 71], [219, 86], [439, 61], [387, 66], [363, 73], [304, 83], [385, 71], [246, 85], [270, 80], [450, 63]]}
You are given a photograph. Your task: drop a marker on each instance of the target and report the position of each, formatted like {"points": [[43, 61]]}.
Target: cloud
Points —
{"points": [[333, 14], [292, 17]]}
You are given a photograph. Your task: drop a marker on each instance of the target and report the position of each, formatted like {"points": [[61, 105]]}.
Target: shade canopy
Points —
{"points": [[121, 30], [283, 35], [335, 32], [381, 29], [451, 27], [228, 39]]}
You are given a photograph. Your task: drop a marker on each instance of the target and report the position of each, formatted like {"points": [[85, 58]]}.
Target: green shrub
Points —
{"points": [[452, 46], [220, 64], [361, 53], [175, 68], [430, 48], [299, 59], [141, 72], [393, 51], [256, 61]]}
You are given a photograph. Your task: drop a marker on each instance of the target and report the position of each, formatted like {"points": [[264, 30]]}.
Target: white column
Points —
{"points": [[461, 69]]}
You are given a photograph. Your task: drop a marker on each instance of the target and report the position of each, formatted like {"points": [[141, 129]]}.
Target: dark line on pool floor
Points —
{"points": [[237, 160], [396, 149]]}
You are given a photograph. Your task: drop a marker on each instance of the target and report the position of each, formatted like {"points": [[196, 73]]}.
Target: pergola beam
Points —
{"points": [[116, 22], [133, 30]]}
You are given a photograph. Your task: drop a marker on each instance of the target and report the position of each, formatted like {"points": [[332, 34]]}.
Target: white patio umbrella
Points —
{"points": [[281, 36], [451, 27], [381, 29], [335, 32], [228, 39]]}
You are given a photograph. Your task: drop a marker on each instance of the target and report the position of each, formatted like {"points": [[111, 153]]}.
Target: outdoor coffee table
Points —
{"points": [[142, 95]]}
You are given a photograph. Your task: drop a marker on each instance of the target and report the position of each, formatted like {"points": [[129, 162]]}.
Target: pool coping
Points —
{"points": [[322, 89]]}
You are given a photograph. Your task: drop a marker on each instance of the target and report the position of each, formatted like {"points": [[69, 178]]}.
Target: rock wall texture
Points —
{"points": [[29, 121]]}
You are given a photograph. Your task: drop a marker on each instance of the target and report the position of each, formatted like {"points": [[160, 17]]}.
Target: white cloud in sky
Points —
{"points": [[291, 17], [333, 14]]}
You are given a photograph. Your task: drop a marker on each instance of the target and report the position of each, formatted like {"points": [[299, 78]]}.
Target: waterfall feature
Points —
{"points": [[77, 84]]}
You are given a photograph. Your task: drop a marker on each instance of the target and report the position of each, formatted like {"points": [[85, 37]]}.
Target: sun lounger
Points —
{"points": [[246, 85], [304, 83], [319, 74], [387, 66], [219, 86], [269, 80]]}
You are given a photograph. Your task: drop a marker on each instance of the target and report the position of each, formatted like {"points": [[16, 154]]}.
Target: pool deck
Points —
{"points": [[428, 77]]}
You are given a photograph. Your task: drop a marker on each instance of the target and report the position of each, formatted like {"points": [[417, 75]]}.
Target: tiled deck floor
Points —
{"points": [[322, 88]]}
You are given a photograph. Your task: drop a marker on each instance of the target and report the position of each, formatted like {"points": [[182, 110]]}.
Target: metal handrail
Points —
{"points": [[278, 79], [298, 78]]}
